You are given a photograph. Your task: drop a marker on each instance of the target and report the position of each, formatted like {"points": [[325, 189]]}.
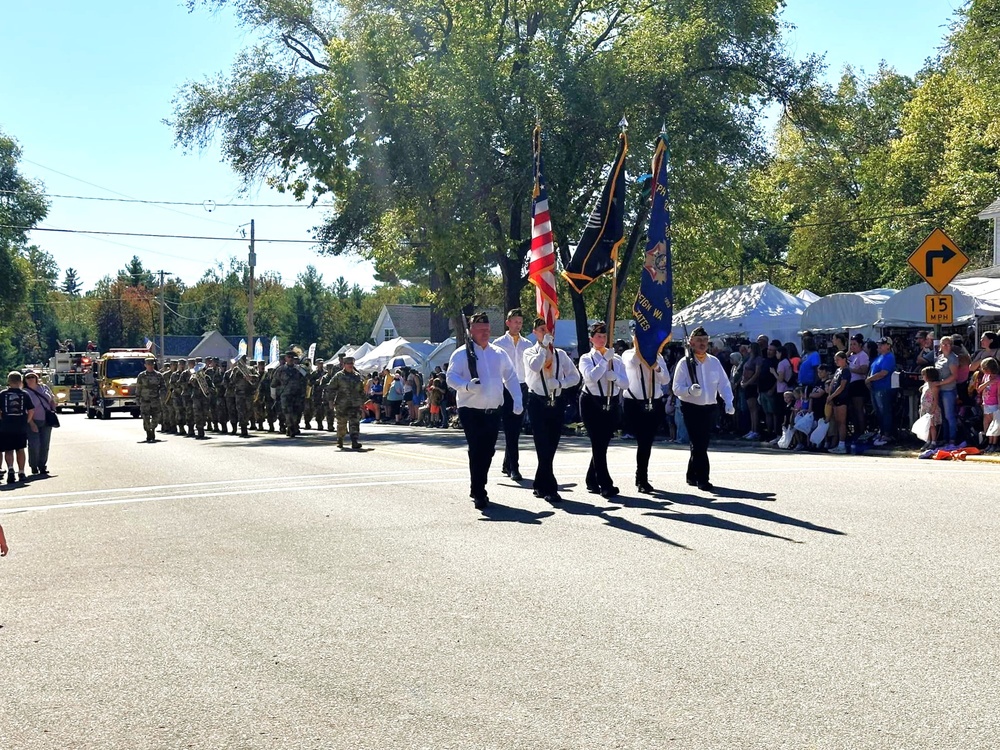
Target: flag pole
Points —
{"points": [[623, 124]]}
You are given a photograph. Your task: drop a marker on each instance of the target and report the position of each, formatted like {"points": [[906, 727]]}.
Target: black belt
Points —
{"points": [[484, 411]]}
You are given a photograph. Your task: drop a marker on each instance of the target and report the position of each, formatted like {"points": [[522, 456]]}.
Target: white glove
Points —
{"points": [[694, 390], [518, 410], [609, 354], [547, 339], [612, 378], [730, 409], [473, 385]]}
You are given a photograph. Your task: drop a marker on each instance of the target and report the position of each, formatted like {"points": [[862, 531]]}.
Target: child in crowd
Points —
{"points": [[839, 396], [989, 392], [929, 403]]}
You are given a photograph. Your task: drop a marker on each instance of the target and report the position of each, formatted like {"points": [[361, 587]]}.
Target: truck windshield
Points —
{"points": [[118, 369], [70, 379]]}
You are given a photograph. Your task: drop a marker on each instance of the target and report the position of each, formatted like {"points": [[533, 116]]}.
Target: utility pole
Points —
{"points": [[253, 262], [163, 302]]}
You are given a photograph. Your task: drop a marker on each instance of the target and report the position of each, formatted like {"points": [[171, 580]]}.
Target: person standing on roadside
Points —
{"points": [[43, 403], [548, 372], [699, 381], [857, 392], [883, 396], [17, 417], [515, 346], [480, 372]]}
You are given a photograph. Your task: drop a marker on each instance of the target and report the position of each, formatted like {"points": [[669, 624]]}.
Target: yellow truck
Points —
{"points": [[71, 374], [114, 383]]}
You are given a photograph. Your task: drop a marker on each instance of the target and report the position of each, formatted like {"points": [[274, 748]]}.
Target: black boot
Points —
{"points": [[243, 432], [355, 445], [201, 433], [225, 428], [340, 442]]}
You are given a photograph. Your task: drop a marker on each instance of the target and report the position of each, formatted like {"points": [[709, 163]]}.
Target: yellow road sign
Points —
{"points": [[940, 309], [938, 260]]}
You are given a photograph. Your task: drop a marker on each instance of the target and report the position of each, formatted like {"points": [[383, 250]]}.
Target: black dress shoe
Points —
{"points": [[553, 498], [706, 486], [516, 475], [505, 471], [593, 489], [644, 487], [481, 502], [536, 493], [609, 491], [692, 482]]}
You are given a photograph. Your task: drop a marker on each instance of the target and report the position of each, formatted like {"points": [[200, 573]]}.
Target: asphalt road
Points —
{"points": [[284, 594]]}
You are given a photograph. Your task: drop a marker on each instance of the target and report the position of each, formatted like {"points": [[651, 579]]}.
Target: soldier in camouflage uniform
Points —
{"points": [[200, 389], [324, 389], [242, 388], [264, 404], [346, 396], [315, 406], [176, 396], [184, 391], [166, 414], [149, 389], [289, 385], [229, 415], [217, 415], [307, 408]]}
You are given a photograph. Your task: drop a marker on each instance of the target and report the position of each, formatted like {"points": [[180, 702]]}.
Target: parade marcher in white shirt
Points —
{"points": [[643, 407], [480, 373], [699, 380], [548, 371], [603, 377], [515, 345]]}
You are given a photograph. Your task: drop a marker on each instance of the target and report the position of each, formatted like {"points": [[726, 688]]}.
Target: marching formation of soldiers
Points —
{"points": [[194, 396]]}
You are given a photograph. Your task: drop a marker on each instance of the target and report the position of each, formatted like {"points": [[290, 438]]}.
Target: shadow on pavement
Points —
{"points": [[504, 513], [707, 519], [577, 508], [752, 511], [768, 497]]}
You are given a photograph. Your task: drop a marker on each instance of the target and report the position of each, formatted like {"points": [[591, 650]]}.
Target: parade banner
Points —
{"points": [[312, 352], [542, 266], [653, 309], [258, 350], [273, 354], [597, 252], [241, 350]]}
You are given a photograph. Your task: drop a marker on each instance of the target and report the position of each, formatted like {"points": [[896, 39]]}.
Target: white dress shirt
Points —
{"points": [[644, 383], [712, 378], [515, 350], [602, 377], [496, 372], [541, 383]]}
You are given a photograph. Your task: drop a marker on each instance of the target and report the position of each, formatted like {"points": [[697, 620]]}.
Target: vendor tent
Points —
{"points": [[743, 311], [849, 311], [381, 356], [441, 354], [806, 296], [973, 298]]}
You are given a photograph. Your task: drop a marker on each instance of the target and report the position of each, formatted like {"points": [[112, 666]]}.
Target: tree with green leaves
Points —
{"points": [[416, 119], [71, 283], [136, 274]]}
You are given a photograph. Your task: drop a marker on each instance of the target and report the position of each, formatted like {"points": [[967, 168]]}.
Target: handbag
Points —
{"points": [[51, 418]]}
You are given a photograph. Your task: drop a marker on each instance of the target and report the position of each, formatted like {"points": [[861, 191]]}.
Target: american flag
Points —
{"points": [[542, 267]]}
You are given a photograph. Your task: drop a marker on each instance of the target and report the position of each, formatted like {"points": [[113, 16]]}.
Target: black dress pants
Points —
{"points": [[601, 423], [512, 424], [642, 424], [546, 429], [481, 426], [698, 420]]}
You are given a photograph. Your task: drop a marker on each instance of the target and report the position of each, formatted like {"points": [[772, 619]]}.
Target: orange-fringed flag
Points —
{"points": [[542, 266], [597, 253]]}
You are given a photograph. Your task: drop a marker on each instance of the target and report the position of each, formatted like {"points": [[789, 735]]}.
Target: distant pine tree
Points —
{"points": [[71, 284]]}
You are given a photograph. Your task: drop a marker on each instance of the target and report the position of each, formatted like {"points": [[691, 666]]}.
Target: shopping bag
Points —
{"points": [[818, 435], [994, 429], [785, 441], [806, 423], [922, 427]]}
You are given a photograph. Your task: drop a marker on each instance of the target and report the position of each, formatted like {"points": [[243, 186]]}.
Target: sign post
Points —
{"points": [[938, 261]]}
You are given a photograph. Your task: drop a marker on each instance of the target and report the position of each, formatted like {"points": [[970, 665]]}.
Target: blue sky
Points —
{"points": [[93, 81]]}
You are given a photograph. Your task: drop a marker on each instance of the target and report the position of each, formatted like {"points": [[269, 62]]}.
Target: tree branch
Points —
{"points": [[300, 49]]}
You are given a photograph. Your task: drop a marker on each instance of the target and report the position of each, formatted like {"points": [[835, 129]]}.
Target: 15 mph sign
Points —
{"points": [[938, 260]]}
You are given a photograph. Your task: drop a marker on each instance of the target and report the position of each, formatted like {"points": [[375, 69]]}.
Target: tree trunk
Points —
{"points": [[579, 308]]}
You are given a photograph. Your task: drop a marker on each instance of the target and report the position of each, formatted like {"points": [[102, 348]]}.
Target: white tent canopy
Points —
{"points": [[972, 298], [744, 311], [806, 296], [849, 311], [441, 354], [380, 356]]}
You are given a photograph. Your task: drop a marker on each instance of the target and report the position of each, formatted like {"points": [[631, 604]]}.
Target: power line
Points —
{"points": [[147, 234], [208, 205]]}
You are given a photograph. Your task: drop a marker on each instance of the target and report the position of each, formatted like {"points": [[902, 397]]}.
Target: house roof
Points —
{"points": [[411, 321], [992, 211]]}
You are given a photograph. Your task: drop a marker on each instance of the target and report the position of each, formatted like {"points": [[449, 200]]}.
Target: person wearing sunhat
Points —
{"points": [[480, 372], [149, 388], [699, 380]]}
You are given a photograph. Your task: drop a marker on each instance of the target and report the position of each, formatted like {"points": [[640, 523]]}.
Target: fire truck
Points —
{"points": [[114, 383], [72, 373]]}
